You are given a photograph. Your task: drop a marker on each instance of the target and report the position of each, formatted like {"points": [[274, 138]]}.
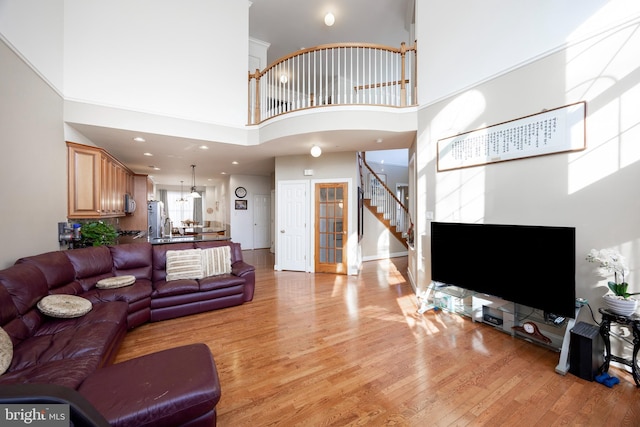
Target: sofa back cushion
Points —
{"points": [[216, 261], [133, 259], [160, 258], [184, 264], [90, 265], [21, 287], [57, 269], [9, 320], [236, 250], [8, 310]]}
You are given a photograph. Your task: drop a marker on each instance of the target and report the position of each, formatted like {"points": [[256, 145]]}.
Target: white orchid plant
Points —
{"points": [[611, 261]]}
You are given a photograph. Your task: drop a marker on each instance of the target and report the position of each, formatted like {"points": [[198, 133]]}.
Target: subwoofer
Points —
{"points": [[586, 351]]}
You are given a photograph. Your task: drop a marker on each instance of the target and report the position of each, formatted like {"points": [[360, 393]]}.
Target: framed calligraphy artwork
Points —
{"points": [[558, 130]]}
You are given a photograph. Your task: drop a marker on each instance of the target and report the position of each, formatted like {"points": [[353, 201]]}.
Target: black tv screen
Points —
{"points": [[529, 265]]}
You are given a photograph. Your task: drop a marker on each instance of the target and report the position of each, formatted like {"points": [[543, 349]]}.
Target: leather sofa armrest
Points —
{"points": [[81, 412], [241, 268]]}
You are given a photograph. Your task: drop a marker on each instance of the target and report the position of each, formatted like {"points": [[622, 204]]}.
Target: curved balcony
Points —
{"points": [[334, 75]]}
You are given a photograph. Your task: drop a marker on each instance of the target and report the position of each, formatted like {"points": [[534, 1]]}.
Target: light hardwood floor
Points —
{"points": [[332, 350]]}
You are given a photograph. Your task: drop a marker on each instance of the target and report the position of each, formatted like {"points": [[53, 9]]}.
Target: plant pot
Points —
{"points": [[619, 305]]}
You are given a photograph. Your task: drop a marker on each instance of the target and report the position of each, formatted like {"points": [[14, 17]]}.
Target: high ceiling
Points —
{"points": [[290, 25], [287, 25]]}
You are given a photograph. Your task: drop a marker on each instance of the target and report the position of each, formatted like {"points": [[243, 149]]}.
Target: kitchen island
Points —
{"points": [[134, 237], [187, 238]]}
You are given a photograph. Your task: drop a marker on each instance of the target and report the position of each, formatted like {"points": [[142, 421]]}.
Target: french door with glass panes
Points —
{"points": [[331, 228]]}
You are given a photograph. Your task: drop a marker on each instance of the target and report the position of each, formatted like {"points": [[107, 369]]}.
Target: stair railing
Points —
{"points": [[334, 74], [385, 201]]}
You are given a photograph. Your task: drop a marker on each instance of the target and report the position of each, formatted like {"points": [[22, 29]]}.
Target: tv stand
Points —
{"points": [[514, 319]]}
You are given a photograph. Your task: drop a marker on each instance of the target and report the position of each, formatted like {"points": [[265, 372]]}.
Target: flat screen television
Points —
{"points": [[529, 265]]}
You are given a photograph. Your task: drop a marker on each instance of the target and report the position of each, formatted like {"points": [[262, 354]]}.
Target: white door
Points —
{"points": [[261, 221], [291, 229]]}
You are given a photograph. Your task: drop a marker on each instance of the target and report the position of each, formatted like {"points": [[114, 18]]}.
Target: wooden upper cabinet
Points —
{"points": [[97, 183], [84, 166]]}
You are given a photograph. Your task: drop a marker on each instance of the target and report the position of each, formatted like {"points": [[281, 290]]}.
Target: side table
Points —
{"points": [[633, 322]]}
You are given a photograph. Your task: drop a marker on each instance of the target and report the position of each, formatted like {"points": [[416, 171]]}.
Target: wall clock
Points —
{"points": [[531, 329], [241, 192]]}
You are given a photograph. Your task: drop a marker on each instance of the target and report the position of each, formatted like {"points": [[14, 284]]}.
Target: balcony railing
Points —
{"points": [[335, 74]]}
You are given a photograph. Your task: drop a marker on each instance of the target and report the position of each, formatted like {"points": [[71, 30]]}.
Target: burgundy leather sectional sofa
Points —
{"points": [[71, 351]]}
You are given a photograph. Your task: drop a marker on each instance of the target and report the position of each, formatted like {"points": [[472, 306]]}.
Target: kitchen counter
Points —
{"points": [[181, 239], [138, 236]]}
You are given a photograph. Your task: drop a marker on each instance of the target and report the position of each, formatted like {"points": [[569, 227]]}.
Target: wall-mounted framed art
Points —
{"points": [[558, 130], [241, 205]]}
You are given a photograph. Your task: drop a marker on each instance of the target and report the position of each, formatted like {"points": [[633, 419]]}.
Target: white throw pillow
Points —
{"points": [[6, 351], [116, 282], [185, 264], [216, 261], [64, 306]]}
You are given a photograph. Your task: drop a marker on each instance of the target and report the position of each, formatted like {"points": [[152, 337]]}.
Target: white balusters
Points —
{"points": [[340, 74]]}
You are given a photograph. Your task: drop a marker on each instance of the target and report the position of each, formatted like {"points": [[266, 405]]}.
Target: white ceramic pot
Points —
{"points": [[618, 305]]}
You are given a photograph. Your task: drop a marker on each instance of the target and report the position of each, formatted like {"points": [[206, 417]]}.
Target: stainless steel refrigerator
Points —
{"points": [[155, 222]]}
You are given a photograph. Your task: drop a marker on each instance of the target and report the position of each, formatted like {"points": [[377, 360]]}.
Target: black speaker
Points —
{"points": [[586, 351]]}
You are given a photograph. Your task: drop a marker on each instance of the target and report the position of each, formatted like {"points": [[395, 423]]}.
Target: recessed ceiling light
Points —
{"points": [[147, 154], [155, 168], [329, 19], [379, 140], [139, 139], [234, 162], [223, 173], [316, 151], [204, 147]]}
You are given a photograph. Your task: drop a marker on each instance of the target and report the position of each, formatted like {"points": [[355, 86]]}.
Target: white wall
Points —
{"points": [[594, 190], [463, 42], [378, 242], [186, 60], [340, 167], [33, 176], [35, 28], [242, 220]]}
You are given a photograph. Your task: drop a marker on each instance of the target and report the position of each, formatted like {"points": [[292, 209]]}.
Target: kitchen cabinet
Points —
{"points": [[97, 183]]}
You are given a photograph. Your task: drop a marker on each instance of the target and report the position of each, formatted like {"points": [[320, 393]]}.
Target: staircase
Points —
{"points": [[384, 204]]}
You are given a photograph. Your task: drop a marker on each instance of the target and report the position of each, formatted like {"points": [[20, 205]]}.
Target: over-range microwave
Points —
{"points": [[129, 204]]}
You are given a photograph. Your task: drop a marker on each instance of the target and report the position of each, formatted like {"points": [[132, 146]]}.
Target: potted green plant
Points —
{"points": [[97, 233], [611, 261]]}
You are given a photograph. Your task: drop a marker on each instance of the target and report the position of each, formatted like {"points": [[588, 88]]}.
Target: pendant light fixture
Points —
{"points": [[194, 193], [181, 199]]}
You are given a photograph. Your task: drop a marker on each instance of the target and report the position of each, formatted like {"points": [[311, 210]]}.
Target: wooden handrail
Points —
{"points": [[333, 46], [333, 74], [385, 202], [387, 189], [377, 85]]}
